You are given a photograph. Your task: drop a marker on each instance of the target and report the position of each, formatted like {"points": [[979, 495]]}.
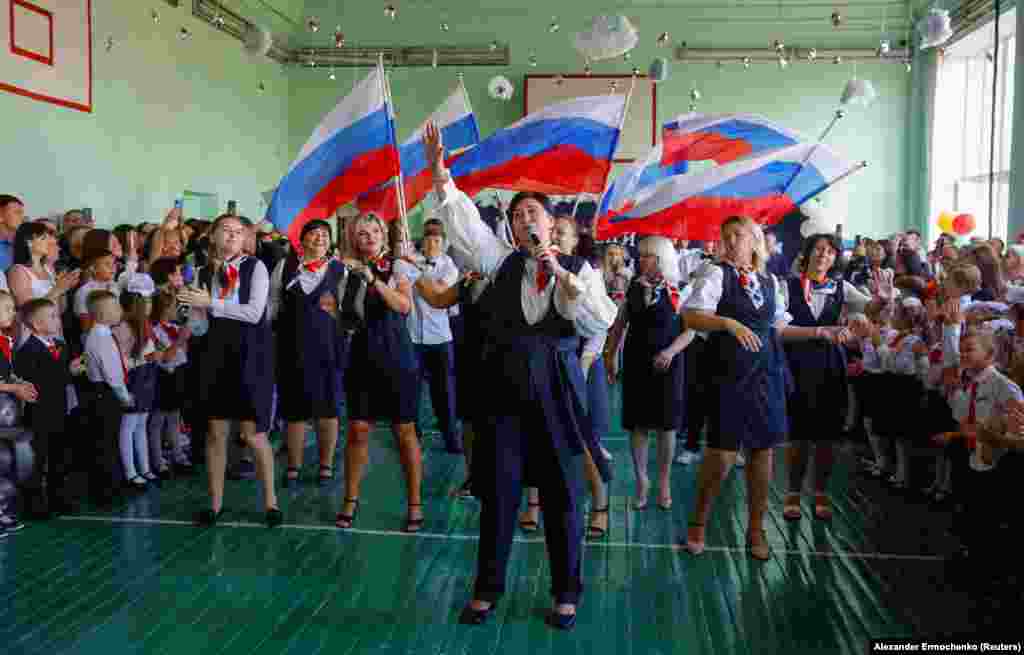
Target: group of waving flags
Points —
{"points": [[763, 170]]}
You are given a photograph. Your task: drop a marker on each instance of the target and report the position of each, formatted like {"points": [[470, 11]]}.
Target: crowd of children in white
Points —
{"points": [[98, 342]]}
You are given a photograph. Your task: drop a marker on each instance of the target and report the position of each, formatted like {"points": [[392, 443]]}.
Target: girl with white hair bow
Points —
{"points": [[653, 375]]}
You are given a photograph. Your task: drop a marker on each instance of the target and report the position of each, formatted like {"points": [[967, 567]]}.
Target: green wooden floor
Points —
{"points": [[141, 579]]}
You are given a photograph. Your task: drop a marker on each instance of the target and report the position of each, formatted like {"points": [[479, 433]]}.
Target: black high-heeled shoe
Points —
{"points": [[208, 518], [348, 519], [561, 621], [471, 616], [275, 517]]}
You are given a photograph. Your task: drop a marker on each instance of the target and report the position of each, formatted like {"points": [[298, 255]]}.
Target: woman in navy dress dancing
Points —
{"points": [[310, 350], [743, 311]]}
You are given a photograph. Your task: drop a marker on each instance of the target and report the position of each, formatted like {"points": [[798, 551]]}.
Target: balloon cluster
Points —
{"points": [[958, 224]]}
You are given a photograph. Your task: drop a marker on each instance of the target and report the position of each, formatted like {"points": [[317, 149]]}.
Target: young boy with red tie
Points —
{"points": [[44, 361]]}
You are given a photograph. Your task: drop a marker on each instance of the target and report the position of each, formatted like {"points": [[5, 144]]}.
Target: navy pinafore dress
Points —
{"points": [[817, 407], [236, 369], [310, 350], [749, 388], [382, 379], [651, 399], [470, 384]]}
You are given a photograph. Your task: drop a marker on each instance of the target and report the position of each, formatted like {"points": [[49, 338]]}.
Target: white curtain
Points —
{"points": [[962, 131]]}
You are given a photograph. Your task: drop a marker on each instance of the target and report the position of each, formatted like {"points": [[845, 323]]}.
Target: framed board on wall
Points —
{"points": [[47, 51], [640, 130]]}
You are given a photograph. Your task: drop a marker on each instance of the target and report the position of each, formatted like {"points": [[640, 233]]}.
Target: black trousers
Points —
{"points": [[52, 463], [696, 397], [101, 412], [437, 365], [516, 441]]}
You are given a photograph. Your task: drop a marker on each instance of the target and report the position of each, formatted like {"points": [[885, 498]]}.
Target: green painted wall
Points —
{"points": [[803, 97], [168, 116]]}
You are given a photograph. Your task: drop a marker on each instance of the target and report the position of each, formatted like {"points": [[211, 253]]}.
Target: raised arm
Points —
{"points": [[474, 242]]}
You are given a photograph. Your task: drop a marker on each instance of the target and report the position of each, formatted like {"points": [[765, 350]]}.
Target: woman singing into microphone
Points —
{"points": [[537, 307]]}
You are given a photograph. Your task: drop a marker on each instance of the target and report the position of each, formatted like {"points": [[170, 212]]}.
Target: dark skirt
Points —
{"points": [[377, 390], [312, 391], [170, 389], [818, 406], [938, 416], [142, 384], [748, 393], [900, 415], [865, 386], [651, 399], [237, 373]]}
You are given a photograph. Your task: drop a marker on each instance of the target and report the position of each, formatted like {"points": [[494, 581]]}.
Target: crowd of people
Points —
{"points": [[187, 340]]}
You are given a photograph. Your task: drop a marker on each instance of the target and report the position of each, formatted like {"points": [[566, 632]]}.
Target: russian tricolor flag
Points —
{"points": [[764, 188], [564, 148], [351, 151], [459, 130], [723, 138], [696, 137]]}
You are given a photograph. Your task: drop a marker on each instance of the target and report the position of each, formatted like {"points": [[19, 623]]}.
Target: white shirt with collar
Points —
{"points": [[709, 287], [104, 361], [590, 309], [994, 391], [428, 325], [231, 307], [306, 279], [951, 337]]}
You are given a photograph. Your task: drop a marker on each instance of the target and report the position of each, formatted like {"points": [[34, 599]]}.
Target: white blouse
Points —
{"points": [[306, 279], [708, 289], [994, 391], [102, 361], [231, 307], [853, 300], [591, 309]]}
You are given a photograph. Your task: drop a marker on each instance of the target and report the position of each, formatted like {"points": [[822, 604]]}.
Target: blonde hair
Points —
{"points": [[967, 277], [370, 217], [759, 256], [665, 251]]}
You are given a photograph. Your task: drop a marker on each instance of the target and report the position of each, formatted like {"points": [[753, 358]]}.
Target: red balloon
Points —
{"points": [[964, 224]]}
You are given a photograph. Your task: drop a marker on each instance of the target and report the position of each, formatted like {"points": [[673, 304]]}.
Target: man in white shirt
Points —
{"points": [[431, 333]]}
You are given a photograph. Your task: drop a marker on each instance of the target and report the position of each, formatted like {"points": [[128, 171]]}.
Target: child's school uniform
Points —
{"points": [[141, 383], [45, 363], [105, 393], [982, 399], [901, 383], [236, 376], [170, 396]]}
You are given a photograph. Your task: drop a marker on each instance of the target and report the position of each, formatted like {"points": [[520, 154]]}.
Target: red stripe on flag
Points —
{"points": [[697, 218], [366, 171], [564, 169], [701, 146]]}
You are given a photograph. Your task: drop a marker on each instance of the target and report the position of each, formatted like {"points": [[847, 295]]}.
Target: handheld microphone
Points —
{"points": [[535, 240]]}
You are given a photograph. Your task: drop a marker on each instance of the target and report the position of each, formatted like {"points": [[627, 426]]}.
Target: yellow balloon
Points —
{"points": [[946, 222]]}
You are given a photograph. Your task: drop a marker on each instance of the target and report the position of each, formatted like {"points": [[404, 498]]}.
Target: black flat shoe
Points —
{"points": [[472, 616], [208, 517], [274, 517], [562, 621]]}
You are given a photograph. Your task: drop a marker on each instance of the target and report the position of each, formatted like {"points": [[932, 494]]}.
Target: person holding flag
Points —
{"points": [[538, 306]]}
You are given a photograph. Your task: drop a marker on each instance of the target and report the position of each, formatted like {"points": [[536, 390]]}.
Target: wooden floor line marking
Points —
{"points": [[535, 540]]}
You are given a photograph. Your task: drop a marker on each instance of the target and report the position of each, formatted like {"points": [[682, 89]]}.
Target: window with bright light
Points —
{"points": [[962, 136]]}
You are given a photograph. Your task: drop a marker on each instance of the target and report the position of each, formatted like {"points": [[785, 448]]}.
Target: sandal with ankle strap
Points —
{"points": [[291, 477], [695, 547], [822, 507], [349, 519], [594, 531], [791, 507], [413, 525], [326, 479], [762, 551], [529, 526]]}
